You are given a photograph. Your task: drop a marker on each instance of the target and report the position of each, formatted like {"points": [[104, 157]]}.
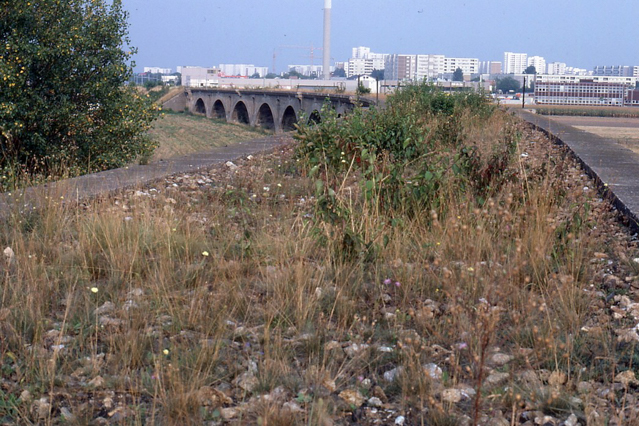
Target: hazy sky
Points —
{"points": [[582, 33]]}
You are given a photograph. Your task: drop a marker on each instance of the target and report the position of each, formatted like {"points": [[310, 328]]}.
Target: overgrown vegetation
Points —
{"points": [[65, 106], [435, 261]]}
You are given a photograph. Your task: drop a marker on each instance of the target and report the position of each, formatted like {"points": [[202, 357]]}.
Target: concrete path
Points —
{"points": [[108, 182], [613, 167]]}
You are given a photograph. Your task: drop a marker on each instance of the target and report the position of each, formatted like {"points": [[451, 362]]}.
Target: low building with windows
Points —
{"points": [[583, 90], [200, 77], [632, 99]]}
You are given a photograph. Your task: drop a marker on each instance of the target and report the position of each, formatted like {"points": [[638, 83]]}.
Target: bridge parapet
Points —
{"points": [[276, 110]]}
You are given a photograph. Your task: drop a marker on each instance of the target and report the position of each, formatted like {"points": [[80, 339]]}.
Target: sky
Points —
{"points": [[581, 33]]}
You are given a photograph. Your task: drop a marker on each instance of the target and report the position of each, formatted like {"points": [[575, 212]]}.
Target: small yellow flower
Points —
{"points": [[165, 351], [94, 290], [205, 253]]}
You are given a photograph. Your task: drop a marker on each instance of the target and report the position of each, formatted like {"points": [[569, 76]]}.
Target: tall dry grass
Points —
{"points": [[174, 304]]}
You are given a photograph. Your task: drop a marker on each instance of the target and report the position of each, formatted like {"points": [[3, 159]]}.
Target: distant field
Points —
{"points": [[623, 130], [593, 111], [181, 134], [626, 136]]}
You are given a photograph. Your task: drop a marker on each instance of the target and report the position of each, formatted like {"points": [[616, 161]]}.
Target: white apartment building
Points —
{"points": [[467, 65], [582, 90], [358, 66], [515, 63], [556, 68], [363, 62], [378, 60], [361, 52], [419, 67], [635, 71], [242, 70], [539, 62], [308, 70], [157, 70], [428, 66]]}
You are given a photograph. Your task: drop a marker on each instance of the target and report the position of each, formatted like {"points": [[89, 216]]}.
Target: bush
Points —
{"points": [[64, 94], [407, 159], [363, 90], [405, 152]]}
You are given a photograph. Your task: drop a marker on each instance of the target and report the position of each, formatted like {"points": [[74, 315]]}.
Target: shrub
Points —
{"points": [[64, 94], [406, 153]]}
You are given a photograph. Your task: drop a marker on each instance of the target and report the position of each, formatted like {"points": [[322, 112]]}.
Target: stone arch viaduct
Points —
{"points": [[277, 110]]}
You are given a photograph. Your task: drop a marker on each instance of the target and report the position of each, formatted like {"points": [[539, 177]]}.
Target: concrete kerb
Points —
{"points": [[613, 168], [102, 184]]}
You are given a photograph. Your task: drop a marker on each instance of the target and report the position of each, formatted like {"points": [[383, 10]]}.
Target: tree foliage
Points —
{"points": [[339, 72], [530, 70], [363, 90], [458, 75], [296, 74], [63, 95], [378, 74], [507, 84]]}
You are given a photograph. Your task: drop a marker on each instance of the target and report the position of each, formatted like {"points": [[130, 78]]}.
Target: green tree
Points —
{"points": [[530, 70], [295, 74], [507, 84], [362, 90], [63, 92], [378, 74], [458, 75], [339, 72]]}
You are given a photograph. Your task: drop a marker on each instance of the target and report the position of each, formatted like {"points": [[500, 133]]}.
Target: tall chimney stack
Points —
{"points": [[327, 40]]}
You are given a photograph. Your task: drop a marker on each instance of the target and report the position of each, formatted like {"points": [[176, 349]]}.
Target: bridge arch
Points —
{"points": [[258, 107], [289, 118], [265, 117], [200, 107], [240, 113], [315, 117], [219, 111]]}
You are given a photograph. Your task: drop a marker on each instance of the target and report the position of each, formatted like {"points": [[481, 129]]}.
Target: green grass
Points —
{"points": [[182, 134]]}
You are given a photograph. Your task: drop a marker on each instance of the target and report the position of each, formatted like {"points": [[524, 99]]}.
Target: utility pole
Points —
{"points": [[523, 96]]}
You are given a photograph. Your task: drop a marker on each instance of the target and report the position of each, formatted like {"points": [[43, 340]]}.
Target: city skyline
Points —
{"points": [[581, 33]]}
